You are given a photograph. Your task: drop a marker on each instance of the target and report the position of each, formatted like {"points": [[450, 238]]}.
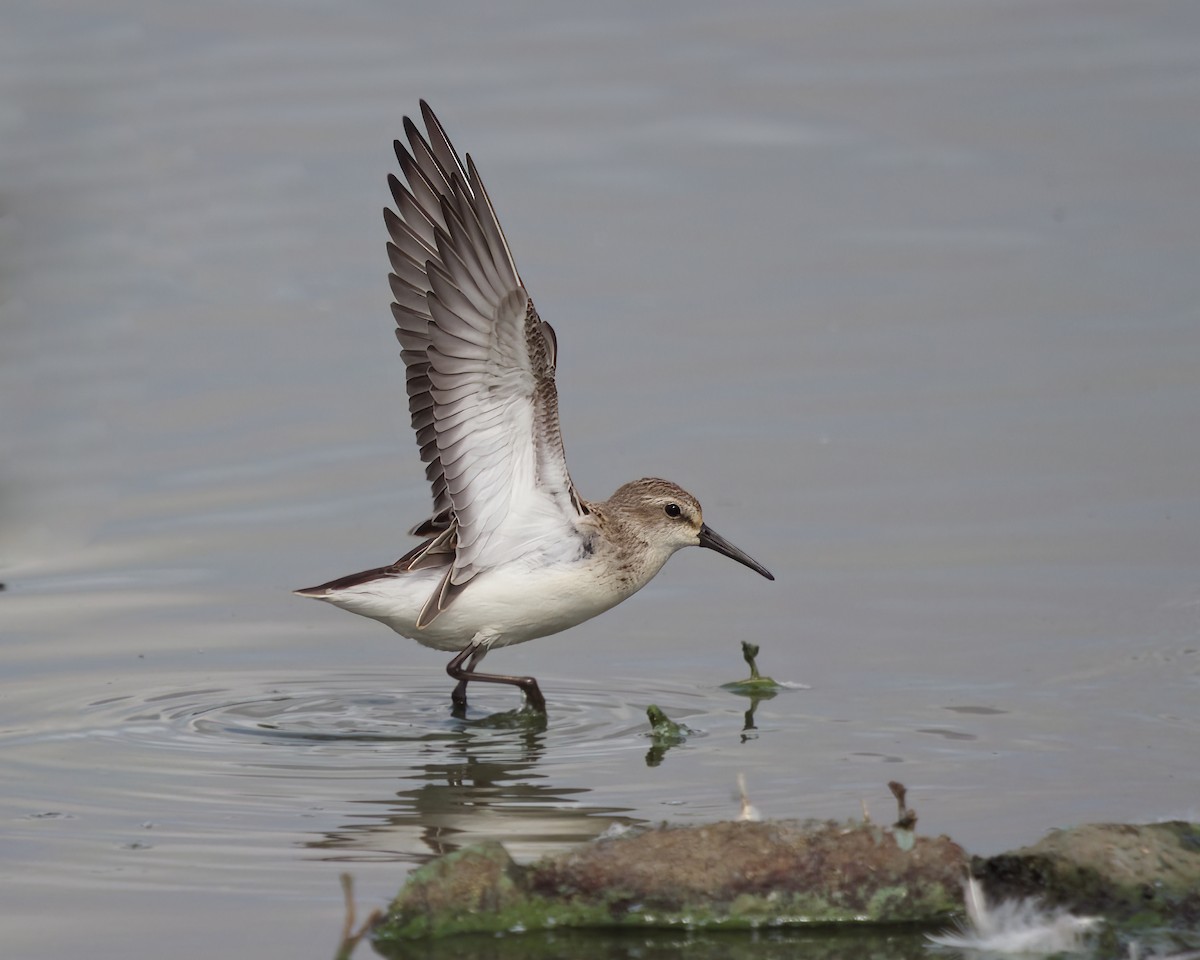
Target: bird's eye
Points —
{"points": [[672, 510]]}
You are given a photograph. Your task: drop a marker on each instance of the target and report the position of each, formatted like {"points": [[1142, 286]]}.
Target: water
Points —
{"points": [[904, 293]]}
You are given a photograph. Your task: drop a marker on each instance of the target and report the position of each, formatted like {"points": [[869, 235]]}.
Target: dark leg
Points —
{"points": [[456, 669], [462, 669]]}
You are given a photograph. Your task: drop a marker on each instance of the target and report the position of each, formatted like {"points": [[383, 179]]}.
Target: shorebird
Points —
{"points": [[512, 552]]}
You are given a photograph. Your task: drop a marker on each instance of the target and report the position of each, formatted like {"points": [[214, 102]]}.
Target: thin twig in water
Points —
{"points": [[351, 937]]}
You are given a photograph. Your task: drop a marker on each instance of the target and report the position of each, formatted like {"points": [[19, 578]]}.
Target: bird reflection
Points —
{"points": [[477, 780]]}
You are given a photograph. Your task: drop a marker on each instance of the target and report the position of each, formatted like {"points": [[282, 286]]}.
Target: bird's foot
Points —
{"points": [[533, 694]]}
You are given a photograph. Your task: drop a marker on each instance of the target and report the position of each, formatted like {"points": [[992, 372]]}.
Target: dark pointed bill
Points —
{"points": [[714, 541]]}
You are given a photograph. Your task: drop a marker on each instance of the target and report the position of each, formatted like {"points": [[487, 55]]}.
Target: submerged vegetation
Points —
{"points": [[755, 684]]}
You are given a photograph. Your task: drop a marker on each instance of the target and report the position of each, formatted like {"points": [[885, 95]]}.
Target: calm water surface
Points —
{"points": [[906, 294]]}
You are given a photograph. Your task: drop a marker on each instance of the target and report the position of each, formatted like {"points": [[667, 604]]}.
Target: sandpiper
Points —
{"points": [[512, 551]]}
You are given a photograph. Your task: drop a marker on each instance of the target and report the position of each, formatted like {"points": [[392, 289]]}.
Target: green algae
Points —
{"points": [[665, 733], [889, 943], [755, 685], [663, 728]]}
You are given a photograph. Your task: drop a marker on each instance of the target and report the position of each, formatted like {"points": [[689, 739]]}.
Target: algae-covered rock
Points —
{"points": [[782, 870], [462, 891], [737, 875], [1125, 872]]}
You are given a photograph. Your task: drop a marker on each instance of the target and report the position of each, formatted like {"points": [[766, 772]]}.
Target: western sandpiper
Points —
{"points": [[512, 551]]}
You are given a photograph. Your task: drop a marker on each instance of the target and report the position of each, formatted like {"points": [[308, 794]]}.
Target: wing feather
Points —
{"points": [[479, 370]]}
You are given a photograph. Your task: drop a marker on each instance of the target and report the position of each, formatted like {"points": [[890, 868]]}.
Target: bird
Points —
{"points": [[511, 551]]}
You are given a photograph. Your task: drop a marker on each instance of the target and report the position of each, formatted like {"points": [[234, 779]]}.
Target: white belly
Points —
{"points": [[508, 605]]}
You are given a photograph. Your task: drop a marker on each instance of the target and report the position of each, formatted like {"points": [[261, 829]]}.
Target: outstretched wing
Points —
{"points": [[480, 370]]}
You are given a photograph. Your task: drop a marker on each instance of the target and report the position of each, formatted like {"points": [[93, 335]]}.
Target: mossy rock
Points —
{"points": [[1128, 873], [730, 875]]}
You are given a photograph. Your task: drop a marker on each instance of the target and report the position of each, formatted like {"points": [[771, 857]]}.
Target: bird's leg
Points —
{"points": [[456, 669], [462, 669]]}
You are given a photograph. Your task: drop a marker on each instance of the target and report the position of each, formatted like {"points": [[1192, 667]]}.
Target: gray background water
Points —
{"points": [[906, 293]]}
